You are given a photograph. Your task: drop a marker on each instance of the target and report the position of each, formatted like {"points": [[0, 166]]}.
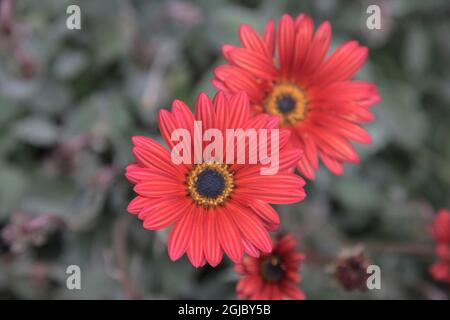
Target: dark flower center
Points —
{"points": [[271, 269], [210, 183], [351, 272], [286, 104]]}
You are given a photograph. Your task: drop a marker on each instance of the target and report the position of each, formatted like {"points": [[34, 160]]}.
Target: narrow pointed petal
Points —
{"points": [[195, 247], [205, 112], [164, 214], [251, 40], [269, 37], [212, 249], [265, 211], [251, 229], [181, 235], [137, 204], [286, 42], [254, 62], [229, 237]]}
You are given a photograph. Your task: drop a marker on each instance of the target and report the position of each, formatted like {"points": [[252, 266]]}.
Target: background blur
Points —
{"points": [[70, 100]]}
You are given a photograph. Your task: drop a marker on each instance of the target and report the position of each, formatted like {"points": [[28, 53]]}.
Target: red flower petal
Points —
{"points": [[238, 111], [251, 228], [305, 168], [343, 63], [251, 40], [228, 234], [272, 189], [137, 204], [167, 125], [181, 234], [293, 292], [220, 102], [205, 112], [305, 30], [286, 42], [164, 214], [332, 164], [269, 37], [317, 50], [152, 155], [136, 173], [160, 187], [265, 211], [250, 249], [342, 127], [256, 63], [334, 146], [183, 115], [212, 250], [195, 247]]}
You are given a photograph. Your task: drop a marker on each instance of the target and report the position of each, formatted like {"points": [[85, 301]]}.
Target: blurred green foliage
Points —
{"points": [[70, 100]]}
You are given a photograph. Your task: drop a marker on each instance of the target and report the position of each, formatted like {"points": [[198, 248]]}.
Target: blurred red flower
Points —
{"points": [[441, 233], [214, 207], [313, 94], [273, 276], [351, 268]]}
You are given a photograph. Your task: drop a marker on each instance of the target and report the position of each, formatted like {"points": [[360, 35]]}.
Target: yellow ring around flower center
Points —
{"points": [[288, 101], [217, 173]]}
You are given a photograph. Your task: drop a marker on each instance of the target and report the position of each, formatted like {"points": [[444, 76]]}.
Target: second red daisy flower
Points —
{"points": [[313, 94]]}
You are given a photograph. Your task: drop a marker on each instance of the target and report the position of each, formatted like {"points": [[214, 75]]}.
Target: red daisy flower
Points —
{"points": [[214, 207], [441, 234], [313, 94], [273, 276]]}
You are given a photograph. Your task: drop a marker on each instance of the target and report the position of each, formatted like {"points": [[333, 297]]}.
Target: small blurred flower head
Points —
{"points": [[350, 268], [273, 276]]}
